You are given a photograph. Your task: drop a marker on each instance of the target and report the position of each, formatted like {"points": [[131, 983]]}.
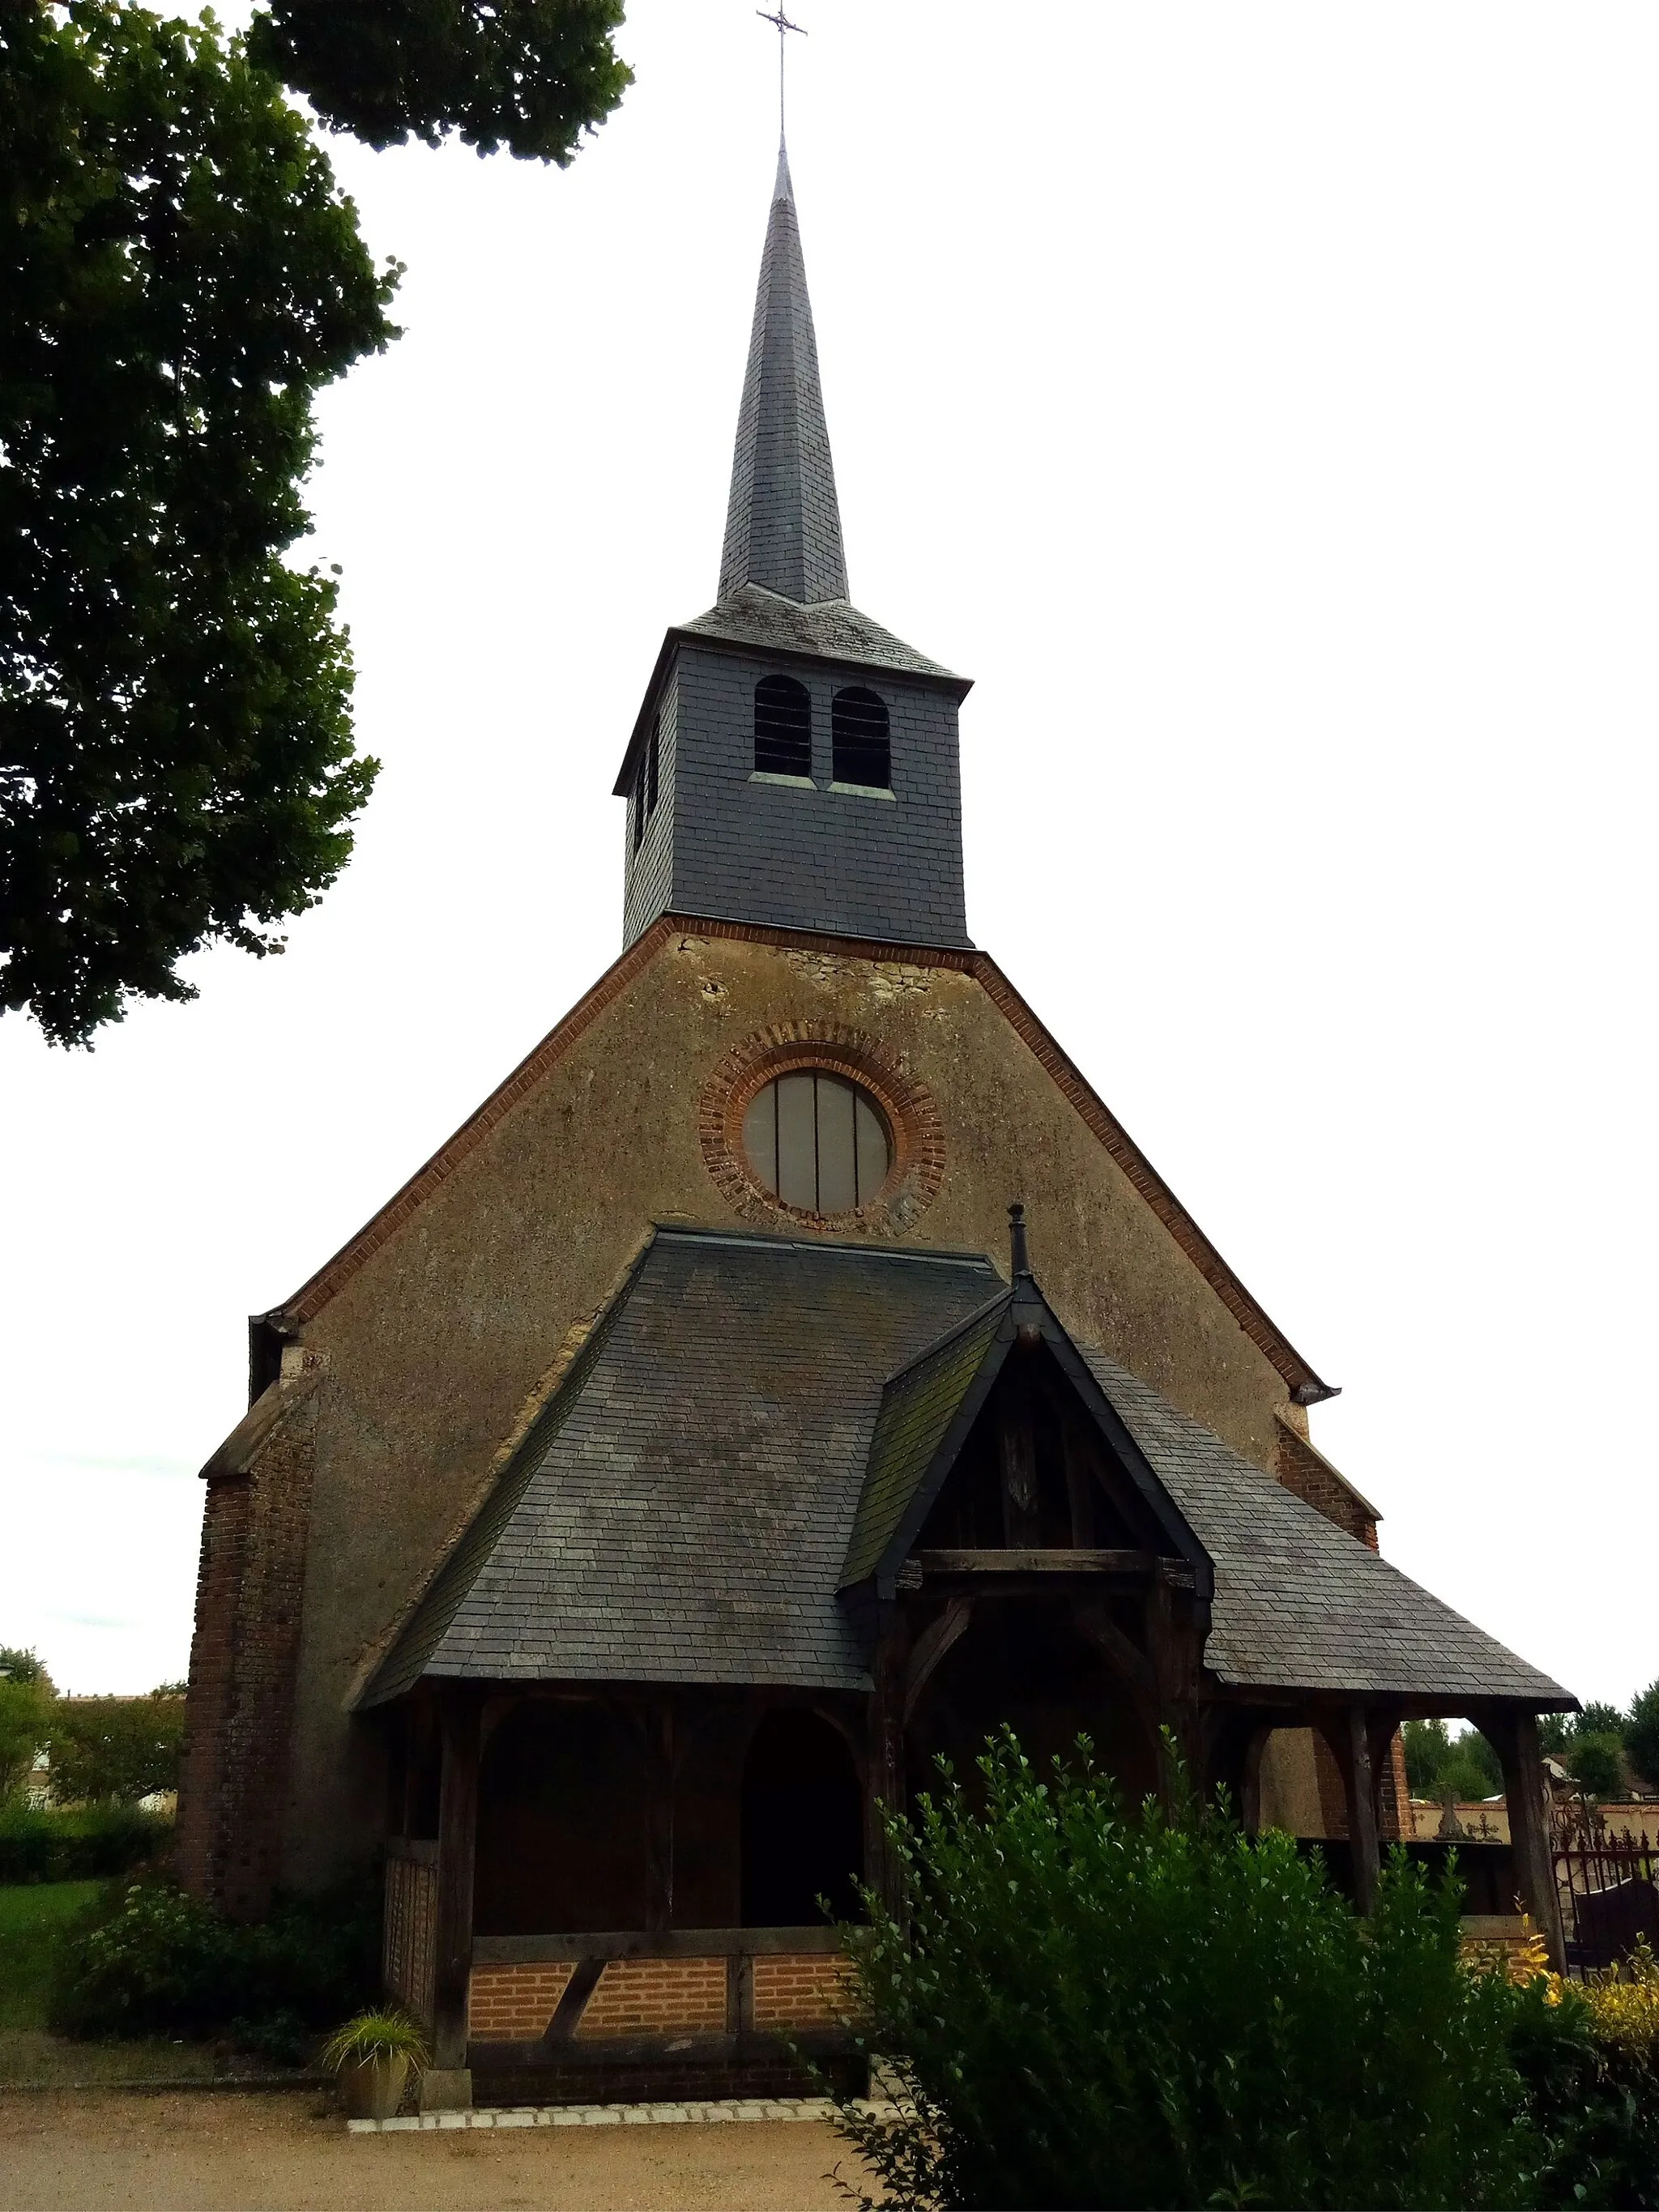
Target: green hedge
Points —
{"points": [[151, 1961], [88, 1845]]}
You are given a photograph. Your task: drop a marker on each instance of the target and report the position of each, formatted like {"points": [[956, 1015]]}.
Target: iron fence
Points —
{"points": [[1609, 1887]]}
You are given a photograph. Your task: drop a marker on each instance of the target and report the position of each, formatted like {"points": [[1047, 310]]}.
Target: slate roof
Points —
{"points": [[917, 1407], [742, 1433], [783, 522], [680, 1512], [835, 629], [1299, 1603]]}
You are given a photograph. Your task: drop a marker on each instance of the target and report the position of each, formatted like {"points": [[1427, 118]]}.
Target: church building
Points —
{"points": [[792, 1372]]}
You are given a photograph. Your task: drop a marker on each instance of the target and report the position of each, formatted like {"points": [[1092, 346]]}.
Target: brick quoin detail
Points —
{"points": [[907, 1106], [802, 1989], [250, 1590]]}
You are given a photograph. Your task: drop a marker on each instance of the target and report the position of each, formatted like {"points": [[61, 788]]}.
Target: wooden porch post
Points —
{"points": [[889, 1666], [658, 1724], [1354, 1753], [447, 2084], [1514, 1737]]}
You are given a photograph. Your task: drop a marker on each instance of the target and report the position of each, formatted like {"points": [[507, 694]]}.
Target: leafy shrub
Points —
{"points": [[152, 1961], [81, 1847], [1087, 2009], [1592, 2103]]}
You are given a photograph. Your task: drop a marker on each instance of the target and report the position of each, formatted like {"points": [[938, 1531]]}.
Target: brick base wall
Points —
{"points": [[804, 1989], [656, 1996]]}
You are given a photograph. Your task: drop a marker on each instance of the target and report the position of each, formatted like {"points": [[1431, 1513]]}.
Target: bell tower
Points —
{"points": [[793, 763]]}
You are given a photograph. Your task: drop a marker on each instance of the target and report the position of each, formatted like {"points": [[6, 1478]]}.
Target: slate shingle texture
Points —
{"points": [[681, 1511], [1299, 1603]]}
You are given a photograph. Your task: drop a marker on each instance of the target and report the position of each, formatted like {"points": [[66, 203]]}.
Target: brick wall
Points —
{"points": [[656, 1997], [234, 1788], [514, 2004], [1310, 1476], [801, 1990]]}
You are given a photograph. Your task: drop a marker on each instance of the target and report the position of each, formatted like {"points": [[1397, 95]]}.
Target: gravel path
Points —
{"points": [[199, 2152]]}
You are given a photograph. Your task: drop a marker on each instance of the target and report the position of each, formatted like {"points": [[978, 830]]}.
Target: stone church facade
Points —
{"points": [[688, 1452]]}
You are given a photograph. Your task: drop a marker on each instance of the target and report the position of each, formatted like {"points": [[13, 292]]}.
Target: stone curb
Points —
{"points": [[723, 2110]]}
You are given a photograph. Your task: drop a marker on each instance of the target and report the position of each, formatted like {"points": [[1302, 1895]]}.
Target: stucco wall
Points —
{"points": [[437, 1340]]}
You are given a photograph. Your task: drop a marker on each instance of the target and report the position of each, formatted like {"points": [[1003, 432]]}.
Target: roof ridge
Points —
{"points": [[942, 1343], [777, 1240]]}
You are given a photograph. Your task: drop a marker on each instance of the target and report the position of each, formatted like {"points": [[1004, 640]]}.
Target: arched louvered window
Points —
{"points": [[783, 727], [857, 726], [818, 1141]]}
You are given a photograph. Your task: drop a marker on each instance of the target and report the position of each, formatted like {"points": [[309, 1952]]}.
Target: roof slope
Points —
{"points": [[918, 1406], [832, 629], [783, 521], [680, 1512], [1298, 1602]]}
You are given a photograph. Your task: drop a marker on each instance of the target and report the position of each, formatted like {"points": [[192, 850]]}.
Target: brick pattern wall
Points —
{"points": [[888, 867], [656, 1996], [514, 2004], [809, 1989], [250, 1590], [409, 1954], [1311, 1478]]}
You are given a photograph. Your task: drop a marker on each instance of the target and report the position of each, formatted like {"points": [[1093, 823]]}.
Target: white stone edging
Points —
{"points": [[725, 2109]]}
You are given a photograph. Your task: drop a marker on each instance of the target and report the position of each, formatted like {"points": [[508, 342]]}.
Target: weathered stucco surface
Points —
{"points": [[437, 1340]]}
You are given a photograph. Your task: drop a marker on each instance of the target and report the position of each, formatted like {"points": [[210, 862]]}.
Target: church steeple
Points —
{"points": [[783, 523]]}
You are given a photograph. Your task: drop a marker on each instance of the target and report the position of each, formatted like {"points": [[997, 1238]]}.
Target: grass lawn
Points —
{"points": [[33, 1919]]}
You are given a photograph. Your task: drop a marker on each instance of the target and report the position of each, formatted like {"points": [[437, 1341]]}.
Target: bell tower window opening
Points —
{"points": [[863, 748], [783, 727], [817, 1142]]}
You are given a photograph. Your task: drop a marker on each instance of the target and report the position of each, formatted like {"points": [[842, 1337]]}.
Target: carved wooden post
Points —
{"points": [[1174, 1638], [448, 2083], [1514, 1737], [889, 1668]]}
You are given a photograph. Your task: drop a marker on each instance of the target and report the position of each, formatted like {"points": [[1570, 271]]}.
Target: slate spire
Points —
{"points": [[783, 524]]}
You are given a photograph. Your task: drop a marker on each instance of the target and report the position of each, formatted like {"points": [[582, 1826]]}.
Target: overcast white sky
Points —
{"points": [[1259, 401]]}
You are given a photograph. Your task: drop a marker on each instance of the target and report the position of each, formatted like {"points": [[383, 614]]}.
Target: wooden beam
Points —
{"points": [[1514, 1737], [669, 1943], [457, 1832], [657, 1726], [1138, 1564], [1353, 1746], [931, 1646], [886, 1788]]}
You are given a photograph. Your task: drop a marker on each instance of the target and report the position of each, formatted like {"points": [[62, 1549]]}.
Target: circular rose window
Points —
{"points": [[817, 1141]]}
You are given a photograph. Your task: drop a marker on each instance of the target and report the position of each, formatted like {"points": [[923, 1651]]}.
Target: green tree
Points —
{"points": [[1642, 1735], [1599, 1720], [115, 1749], [19, 1666], [178, 276], [1090, 2010], [1437, 1762], [25, 1724], [530, 75], [1596, 1764]]}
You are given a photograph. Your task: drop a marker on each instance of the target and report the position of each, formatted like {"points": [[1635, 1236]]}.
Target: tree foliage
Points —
{"points": [[1642, 1735], [115, 1749], [178, 276], [20, 1666], [1437, 1762], [528, 75], [24, 1720], [1090, 2010]]}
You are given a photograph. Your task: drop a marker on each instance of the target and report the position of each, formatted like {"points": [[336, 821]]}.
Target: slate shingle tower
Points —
{"points": [[793, 763]]}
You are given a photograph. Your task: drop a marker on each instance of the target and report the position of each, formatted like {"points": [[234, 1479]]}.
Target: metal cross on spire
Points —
{"points": [[783, 25]]}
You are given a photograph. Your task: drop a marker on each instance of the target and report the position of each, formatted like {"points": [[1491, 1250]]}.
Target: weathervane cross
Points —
{"points": [[783, 25]]}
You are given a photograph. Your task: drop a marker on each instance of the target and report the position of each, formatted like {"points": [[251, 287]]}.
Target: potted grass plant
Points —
{"points": [[371, 2055]]}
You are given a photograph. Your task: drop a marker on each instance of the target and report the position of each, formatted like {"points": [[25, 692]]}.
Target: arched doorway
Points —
{"points": [[803, 1824]]}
